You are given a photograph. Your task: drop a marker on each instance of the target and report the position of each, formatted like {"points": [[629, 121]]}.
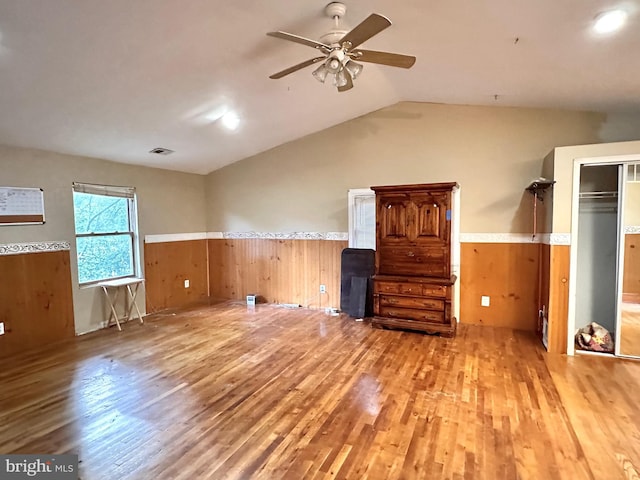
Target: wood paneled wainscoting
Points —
{"points": [[286, 271], [558, 297], [36, 300], [167, 266], [506, 272], [631, 285], [520, 279]]}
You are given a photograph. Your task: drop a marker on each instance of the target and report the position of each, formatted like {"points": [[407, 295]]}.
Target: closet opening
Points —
{"points": [[605, 258], [596, 274]]}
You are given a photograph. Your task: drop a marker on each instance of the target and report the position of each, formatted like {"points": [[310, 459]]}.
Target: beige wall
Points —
{"points": [[492, 152], [563, 174], [168, 202], [632, 205]]}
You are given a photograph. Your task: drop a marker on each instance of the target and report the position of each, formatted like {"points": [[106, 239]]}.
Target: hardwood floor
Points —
{"points": [[226, 392], [630, 329]]}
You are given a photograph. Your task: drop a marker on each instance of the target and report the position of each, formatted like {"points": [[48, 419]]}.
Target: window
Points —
{"points": [[362, 218], [106, 231]]}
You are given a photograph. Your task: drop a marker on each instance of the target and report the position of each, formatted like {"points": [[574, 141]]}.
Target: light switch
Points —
{"points": [[485, 301]]}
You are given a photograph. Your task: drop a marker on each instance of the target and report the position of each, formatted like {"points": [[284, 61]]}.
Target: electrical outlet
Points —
{"points": [[485, 301], [1, 328], [186, 284], [323, 289]]}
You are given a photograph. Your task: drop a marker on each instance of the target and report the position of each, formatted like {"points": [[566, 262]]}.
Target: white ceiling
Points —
{"points": [[115, 78]]}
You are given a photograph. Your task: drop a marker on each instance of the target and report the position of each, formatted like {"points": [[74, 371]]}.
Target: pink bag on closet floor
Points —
{"points": [[594, 337]]}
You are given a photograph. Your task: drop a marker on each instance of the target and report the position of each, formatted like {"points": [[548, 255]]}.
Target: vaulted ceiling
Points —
{"points": [[114, 79]]}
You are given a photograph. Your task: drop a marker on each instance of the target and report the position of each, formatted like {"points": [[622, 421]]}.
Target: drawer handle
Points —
{"points": [[411, 254], [392, 300]]}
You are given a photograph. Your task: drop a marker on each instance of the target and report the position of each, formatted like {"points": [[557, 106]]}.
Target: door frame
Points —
{"points": [[573, 242]]}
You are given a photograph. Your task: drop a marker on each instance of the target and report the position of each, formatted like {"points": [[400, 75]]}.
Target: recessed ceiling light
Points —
{"points": [[609, 22], [230, 120]]}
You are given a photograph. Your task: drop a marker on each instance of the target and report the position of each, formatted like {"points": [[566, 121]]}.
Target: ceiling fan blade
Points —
{"points": [[302, 40], [369, 27], [385, 58], [349, 84], [295, 68]]}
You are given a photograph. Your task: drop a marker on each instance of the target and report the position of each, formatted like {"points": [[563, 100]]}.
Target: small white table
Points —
{"points": [[131, 286]]}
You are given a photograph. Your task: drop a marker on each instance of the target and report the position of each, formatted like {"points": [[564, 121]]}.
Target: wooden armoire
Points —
{"points": [[412, 287]]}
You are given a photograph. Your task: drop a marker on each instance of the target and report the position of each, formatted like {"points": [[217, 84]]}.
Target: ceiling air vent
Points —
{"points": [[161, 151]]}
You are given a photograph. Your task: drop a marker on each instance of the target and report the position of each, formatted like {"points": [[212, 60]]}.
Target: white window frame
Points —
{"points": [[352, 195], [113, 191]]}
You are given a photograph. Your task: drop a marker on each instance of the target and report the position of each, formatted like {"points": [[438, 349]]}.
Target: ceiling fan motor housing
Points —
{"points": [[333, 37], [335, 9]]}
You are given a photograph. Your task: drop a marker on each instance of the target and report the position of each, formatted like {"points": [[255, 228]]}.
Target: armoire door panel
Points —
{"points": [[393, 218], [428, 221], [430, 218]]}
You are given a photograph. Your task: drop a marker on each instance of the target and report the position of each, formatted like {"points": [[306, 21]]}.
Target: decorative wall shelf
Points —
{"points": [[536, 188]]}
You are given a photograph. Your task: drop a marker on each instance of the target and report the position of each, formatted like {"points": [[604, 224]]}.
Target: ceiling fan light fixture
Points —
{"points": [[354, 68], [333, 65], [321, 73], [340, 79]]}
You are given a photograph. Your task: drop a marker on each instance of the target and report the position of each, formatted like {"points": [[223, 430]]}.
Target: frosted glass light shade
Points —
{"points": [[321, 73], [341, 79], [354, 68]]}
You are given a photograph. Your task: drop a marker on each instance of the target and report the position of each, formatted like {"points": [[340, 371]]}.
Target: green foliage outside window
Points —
{"points": [[104, 237]]}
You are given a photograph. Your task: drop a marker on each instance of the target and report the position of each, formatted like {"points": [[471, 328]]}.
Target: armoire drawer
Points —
{"points": [[411, 302], [410, 288], [413, 314], [402, 288], [412, 260], [434, 291]]}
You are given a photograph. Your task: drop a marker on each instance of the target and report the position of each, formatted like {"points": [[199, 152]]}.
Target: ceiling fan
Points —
{"points": [[339, 49]]}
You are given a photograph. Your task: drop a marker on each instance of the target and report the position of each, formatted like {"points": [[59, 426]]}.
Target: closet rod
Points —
{"points": [[598, 194], [594, 209]]}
